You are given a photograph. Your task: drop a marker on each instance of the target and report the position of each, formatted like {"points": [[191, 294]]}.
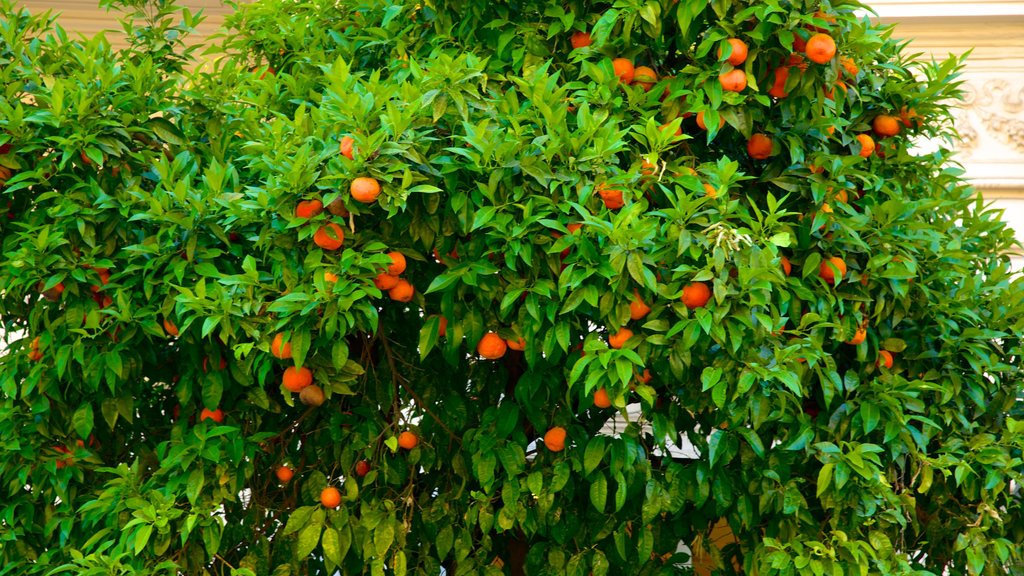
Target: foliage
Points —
{"points": [[151, 253]]}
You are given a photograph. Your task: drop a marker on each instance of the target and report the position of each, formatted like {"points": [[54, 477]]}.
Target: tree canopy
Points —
{"points": [[498, 287]]}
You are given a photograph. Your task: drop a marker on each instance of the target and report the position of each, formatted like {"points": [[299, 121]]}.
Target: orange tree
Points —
{"points": [[500, 288]]}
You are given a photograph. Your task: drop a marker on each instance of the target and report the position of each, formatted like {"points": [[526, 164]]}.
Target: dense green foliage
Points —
{"points": [[151, 252]]}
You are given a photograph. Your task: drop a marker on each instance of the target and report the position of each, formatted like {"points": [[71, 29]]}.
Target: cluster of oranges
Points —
{"points": [[296, 378], [399, 289], [492, 347]]}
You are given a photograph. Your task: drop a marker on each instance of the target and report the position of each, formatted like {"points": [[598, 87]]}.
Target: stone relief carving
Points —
{"points": [[992, 109]]}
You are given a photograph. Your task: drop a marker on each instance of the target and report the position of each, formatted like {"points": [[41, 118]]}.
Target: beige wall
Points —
{"points": [[85, 16]]}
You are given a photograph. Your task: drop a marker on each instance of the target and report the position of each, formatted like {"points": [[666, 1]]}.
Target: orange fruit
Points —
{"points": [[170, 328], [364, 189], [554, 439], [828, 274], [601, 399], [645, 77], [885, 125], [442, 326], [397, 265], [885, 358], [402, 292], [385, 281], [696, 295], [574, 227], [859, 336], [408, 440], [909, 117], [330, 277], [215, 415], [612, 198], [759, 146], [778, 89], [284, 474], [787, 266], [733, 80], [362, 468], [849, 65], [35, 354], [337, 207], [646, 376], [710, 191], [820, 48], [739, 51], [329, 237], [648, 168], [623, 68], [491, 346], [295, 379], [312, 395], [637, 307], [330, 497], [703, 126], [345, 146], [867, 145], [619, 339], [309, 208], [518, 344], [279, 348], [580, 39]]}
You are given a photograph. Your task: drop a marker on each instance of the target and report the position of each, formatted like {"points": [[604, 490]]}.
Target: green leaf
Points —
{"points": [[594, 454], [82, 420], [167, 131], [298, 519], [445, 538], [599, 491], [331, 542], [309, 537]]}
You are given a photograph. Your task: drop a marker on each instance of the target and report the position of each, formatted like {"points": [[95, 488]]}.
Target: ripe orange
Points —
{"points": [[867, 145], [408, 440], [312, 395], [739, 51], [402, 292], [646, 376], [330, 497], [215, 415], [442, 326], [601, 399], [696, 295], [397, 265], [703, 126], [885, 125], [859, 336], [909, 117], [759, 146], [885, 358], [849, 65], [624, 70], [170, 328], [778, 89], [345, 146], [733, 80], [612, 198], [365, 189], [710, 191], [491, 346], [279, 348], [519, 344], [329, 237], [35, 354], [637, 307], [574, 227], [787, 266], [828, 274], [645, 77], [330, 277], [820, 48], [385, 281], [284, 474], [309, 208], [619, 339], [580, 39], [295, 379], [554, 439]]}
